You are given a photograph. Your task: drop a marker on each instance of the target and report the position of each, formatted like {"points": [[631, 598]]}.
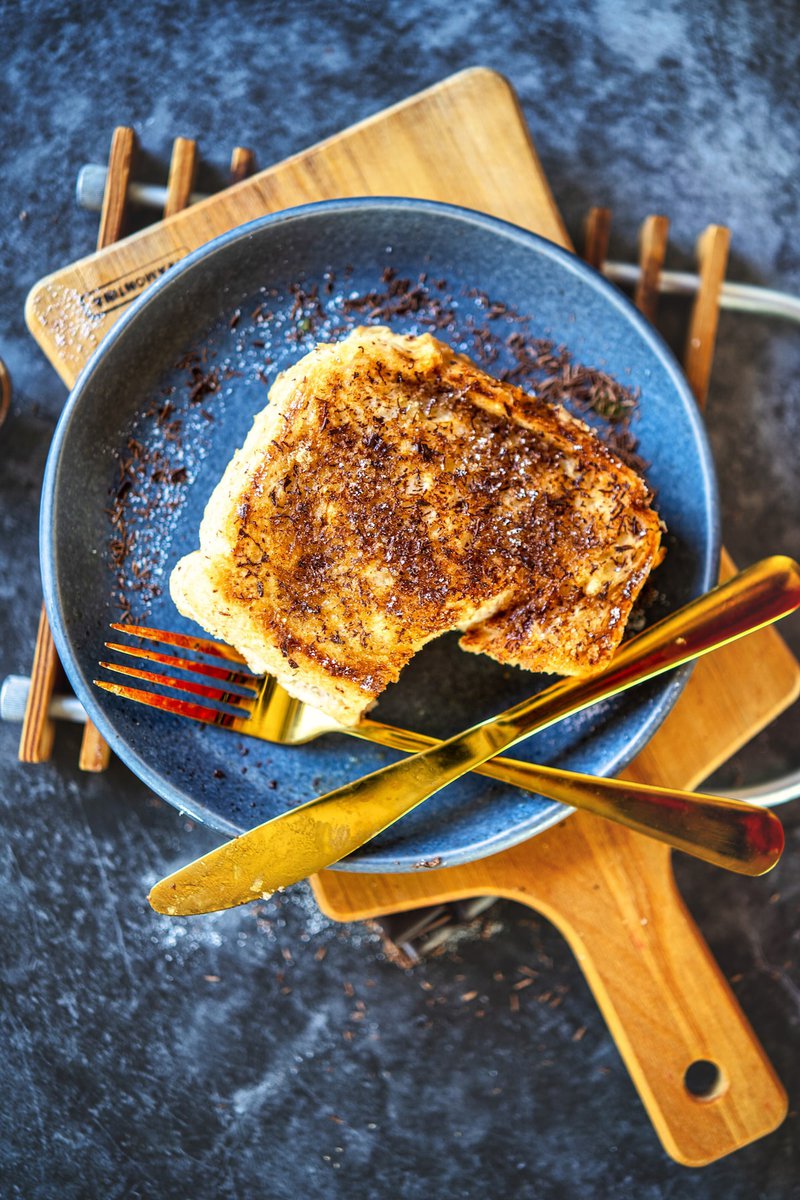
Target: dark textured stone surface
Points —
{"points": [[127, 1071]]}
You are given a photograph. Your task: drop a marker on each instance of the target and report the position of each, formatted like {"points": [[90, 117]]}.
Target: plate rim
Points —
{"points": [[496, 225]]}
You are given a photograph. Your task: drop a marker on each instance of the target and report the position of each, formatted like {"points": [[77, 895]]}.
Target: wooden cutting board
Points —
{"points": [[610, 892]]}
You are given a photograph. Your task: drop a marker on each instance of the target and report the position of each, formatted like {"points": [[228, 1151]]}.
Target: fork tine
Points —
{"points": [[184, 640], [181, 708], [183, 685], [242, 679]]}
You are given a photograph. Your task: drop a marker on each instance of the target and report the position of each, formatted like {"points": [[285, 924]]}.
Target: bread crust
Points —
{"points": [[392, 491]]}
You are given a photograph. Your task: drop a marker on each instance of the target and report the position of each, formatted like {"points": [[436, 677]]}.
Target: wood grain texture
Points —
{"points": [[38, 730], [115, 195], [653, 237], [95, 753], [712, 261], [182, 173], [613, 897], [596, 235]]}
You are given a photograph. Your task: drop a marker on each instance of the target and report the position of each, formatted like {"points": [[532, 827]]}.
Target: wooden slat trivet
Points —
{"points": [[115, 196], [597, 232]]}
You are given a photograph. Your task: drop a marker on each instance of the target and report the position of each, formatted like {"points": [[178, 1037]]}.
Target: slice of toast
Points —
{"points": [[392, 491]]}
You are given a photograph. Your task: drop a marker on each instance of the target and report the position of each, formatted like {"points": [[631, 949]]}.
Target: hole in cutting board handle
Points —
{"points": [[704, 1080]]}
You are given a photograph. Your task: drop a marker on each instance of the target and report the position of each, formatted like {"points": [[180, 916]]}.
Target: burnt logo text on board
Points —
{"points": [[125, 288]]}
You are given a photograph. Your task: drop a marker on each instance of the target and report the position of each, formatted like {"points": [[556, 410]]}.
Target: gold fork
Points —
{"points": [[741, 837]]}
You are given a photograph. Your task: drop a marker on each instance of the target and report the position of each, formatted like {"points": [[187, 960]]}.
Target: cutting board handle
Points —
{"points": [[666, 1003]]}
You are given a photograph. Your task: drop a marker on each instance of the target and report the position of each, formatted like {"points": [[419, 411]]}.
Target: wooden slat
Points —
{"points": [[652, 252], [38, 730], [95, 753], [712, 254], [115, 196], [243, 164], [597, 231], [182, 172]]}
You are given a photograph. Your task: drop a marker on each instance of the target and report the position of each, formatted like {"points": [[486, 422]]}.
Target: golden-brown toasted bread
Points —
{"points": [[392, 491]]}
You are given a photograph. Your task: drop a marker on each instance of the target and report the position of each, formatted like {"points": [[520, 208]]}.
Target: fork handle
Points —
{"points": [[727, 833]]}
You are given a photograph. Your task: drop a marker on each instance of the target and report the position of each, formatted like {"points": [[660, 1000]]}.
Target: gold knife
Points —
{"points": [[321, 832]]}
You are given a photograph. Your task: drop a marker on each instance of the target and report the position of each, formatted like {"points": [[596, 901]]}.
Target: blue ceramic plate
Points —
{"points": [[171, 393]]}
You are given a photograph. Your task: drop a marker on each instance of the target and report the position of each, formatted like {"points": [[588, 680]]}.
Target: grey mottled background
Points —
{"points": [[145, 1058]]}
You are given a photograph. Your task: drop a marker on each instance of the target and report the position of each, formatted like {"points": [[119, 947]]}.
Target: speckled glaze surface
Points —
{"points": [[267, 1053], [203, 770]]}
